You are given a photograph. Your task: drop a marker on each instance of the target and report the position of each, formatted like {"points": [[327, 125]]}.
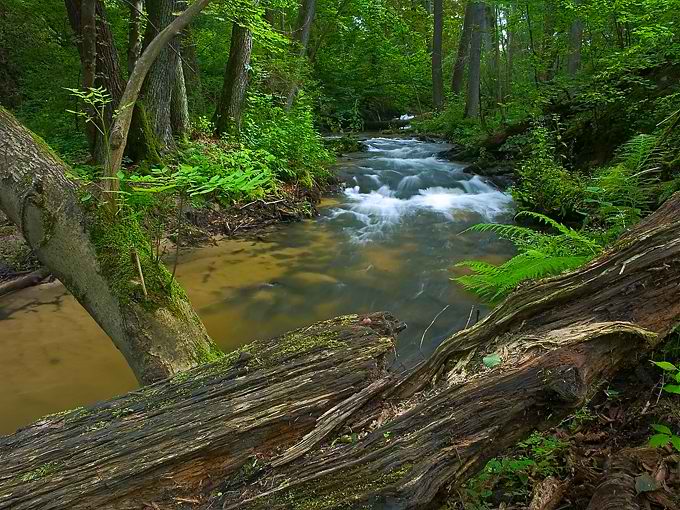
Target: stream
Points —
{"points": [[387, 243]]}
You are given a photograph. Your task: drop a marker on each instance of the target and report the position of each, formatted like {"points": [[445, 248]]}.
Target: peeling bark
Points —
{"points": [[272, 426]]}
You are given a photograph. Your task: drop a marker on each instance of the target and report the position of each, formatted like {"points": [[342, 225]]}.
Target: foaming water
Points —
{"points": [[408, 180], [387, 243]]}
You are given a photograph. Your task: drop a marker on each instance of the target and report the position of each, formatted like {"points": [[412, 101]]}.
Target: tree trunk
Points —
{"points": [[121, 127], [314, 420], [301, 36], [227, 118], [159, 335], [134, 33], [463, 50], [472, 105], [160, 82], [106, 72], [575, 43], [437, 77], [109, 76]]}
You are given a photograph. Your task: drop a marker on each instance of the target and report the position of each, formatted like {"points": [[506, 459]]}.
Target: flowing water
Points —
{"points": [[387, 243]]}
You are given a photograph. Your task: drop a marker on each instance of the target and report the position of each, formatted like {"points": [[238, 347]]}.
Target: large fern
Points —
{"points": [[540, 254]]}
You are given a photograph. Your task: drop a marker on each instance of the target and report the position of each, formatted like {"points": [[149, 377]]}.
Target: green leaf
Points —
{"points": [[659, 440], [491, 360], [120, 174], [665, 365], [672, 388], [662, 428], [675, 441]]}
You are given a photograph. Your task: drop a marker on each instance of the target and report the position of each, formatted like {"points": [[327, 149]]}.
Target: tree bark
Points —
{"points": [[437, 77], [162, 87], [134, 33], [463, 50], [107, 67], [301, 36], [159, 335], [109, 76], [227, 118], [472, 105], [121, 127], [314, 420]]}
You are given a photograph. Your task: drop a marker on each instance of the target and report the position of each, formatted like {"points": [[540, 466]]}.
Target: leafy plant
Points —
{"points": [[544, 184], [540, 254]]}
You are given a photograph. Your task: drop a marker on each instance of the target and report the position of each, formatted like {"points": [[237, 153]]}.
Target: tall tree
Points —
{"points": [[472, 105], [108, 75], [164, 97], [458, 79], [437, 77], [575, 44], [301, 37], [227, 118]]}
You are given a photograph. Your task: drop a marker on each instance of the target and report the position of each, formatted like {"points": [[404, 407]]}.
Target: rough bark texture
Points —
{"points": [[107, 67], [242, 408], [463, 50], [158, 336], [437, 77], [227, 117], [324, 426], [109, 76], [161, 80], [472, 104], [121, 127]]}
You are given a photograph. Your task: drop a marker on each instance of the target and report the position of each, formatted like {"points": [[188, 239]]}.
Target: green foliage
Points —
{"points": [[540, 254], [212, 170], [296, 149], [544, 184], [537, 457]]}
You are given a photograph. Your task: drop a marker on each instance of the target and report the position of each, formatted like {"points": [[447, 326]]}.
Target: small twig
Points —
{"points": [[139, 270], [469, 317], [422, 339]]}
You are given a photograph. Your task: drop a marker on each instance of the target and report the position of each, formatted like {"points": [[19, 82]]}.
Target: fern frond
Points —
{"points": [[504, 231]]}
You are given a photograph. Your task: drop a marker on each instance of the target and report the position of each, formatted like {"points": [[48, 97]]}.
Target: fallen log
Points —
{"points": [[325, 425], [24, 281]]}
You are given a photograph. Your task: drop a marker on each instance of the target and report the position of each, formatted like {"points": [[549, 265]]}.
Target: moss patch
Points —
{"points": [[345, 490], [40, 472], [116, 241]]}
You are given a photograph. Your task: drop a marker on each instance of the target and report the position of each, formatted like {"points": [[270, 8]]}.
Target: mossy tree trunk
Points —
{"points": [[94, 256], [314, 420]]}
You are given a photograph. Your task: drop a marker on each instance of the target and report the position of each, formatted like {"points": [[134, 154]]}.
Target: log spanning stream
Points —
{"points": [[388, 243]]}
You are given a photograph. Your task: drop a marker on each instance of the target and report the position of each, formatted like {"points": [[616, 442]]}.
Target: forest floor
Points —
{"points": [[561, 468]]}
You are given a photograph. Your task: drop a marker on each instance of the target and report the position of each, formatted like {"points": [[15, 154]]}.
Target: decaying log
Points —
{"points": [[23, 281], [330, 428]]}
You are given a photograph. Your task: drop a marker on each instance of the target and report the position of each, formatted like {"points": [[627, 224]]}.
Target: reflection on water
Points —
{"points": [[387, 243]]}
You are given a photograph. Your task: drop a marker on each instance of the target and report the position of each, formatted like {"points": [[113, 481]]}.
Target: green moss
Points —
{"points": [[341, 491], [115, 241], [208, 354], [40, 472]]}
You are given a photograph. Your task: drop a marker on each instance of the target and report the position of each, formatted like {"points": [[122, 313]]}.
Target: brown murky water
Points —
{"points": [[387, 243]]}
